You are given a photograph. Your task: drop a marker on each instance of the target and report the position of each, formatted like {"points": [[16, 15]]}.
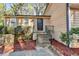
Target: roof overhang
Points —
{"points": [[28, 16]]}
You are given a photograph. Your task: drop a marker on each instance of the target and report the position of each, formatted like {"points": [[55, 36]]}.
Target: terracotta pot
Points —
{"points": [[22, 44], [25, 45], [30, 44], [1, 49]]}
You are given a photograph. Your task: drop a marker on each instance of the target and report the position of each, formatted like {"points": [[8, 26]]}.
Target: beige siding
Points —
{"points": [[47, 22], [58, 18]]}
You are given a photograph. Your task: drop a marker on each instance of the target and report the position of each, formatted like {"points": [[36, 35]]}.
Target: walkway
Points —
{"points": [[63, 49], [38, 52]]}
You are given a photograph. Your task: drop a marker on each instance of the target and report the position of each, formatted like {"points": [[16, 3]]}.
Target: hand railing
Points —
{"points": [[49, 30]]}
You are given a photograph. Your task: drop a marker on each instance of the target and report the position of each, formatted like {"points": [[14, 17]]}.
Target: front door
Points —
{"points": [[40, 24]]}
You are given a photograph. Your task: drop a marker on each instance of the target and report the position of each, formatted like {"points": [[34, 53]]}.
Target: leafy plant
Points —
{"points": [[18, 31], [10, 30], [74, 30], [28, 33], [28, 36], [1, 29], [23, 32], [63, 37]]}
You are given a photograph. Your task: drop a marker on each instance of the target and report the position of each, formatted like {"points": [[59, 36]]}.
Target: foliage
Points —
{"points": [[18, 31], [27, 33], [16, 7], [29, 8], [1, 13], [39, 7], [64, 38], [10, 30], [23, 32], [1, 5], [1, 29], [74, 30], [1, 26], [28, 36]]}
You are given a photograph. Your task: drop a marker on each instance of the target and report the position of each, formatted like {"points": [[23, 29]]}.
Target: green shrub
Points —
{"points": [[64, 38], [10, 30], [18, 31], [74, 30], [27, 33], [1, 29]]}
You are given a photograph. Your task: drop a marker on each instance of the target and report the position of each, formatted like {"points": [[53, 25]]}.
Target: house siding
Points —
{"points": [[58, 18]]}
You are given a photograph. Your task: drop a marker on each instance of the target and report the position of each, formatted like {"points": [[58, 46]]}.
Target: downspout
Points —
{"points": [[67, 24]]}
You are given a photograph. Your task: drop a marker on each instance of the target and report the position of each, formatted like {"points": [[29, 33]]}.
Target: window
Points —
{"points": [[75, 18], [13, 22], [40, 24], [25, 21]]}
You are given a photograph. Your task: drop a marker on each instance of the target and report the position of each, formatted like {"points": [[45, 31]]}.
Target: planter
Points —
{"points": [[9, 43], [22, 43], [75, 50], [30, 44], [25, 45], [1, 49]]}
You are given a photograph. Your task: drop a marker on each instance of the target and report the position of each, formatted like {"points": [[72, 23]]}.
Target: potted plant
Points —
{"points": [[30, 43], [21, 42], [9, 38], [18, 33], [10, 30], [24, 36], [19, 37]]}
